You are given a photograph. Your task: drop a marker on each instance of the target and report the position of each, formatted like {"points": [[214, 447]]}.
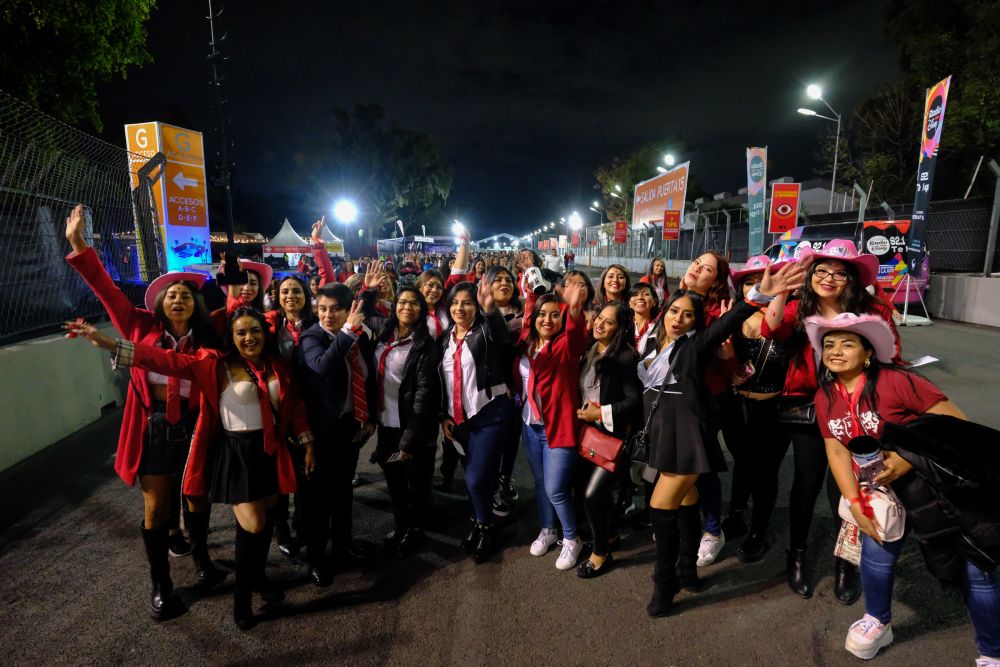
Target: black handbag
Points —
{"points": [[639, 443], [797, 411]]}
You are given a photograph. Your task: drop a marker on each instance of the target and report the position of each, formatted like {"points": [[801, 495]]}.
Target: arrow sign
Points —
{"points": [[182, 181]]}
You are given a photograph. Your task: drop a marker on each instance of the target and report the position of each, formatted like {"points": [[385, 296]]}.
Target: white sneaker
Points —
{"points": [[710, 547], [543, 542], [867, 636], [983, 661], [569, 555]]}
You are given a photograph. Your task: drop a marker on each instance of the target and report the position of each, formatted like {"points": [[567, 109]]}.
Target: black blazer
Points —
{"points": [[621, 389], [419, 392], [490, 343], [326, 378]]}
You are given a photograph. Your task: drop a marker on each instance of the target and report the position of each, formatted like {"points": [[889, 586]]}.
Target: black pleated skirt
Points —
{"points": [[242, 472], [679, 441], [166, 446]]}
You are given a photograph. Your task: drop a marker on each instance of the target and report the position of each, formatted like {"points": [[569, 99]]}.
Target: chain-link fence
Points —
{"points": [[47, 167], [957, 232]]}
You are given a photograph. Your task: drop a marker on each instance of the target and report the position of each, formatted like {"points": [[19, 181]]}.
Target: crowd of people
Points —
{"points": [[615, 393]]}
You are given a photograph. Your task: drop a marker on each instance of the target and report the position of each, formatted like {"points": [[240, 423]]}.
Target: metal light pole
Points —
{"points": [[816, 93]]}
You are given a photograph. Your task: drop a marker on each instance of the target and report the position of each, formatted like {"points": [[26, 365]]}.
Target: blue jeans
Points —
{"points": [[980, 591], [552, 468], [482, 439]]}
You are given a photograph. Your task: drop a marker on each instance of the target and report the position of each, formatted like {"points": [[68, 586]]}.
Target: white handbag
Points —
{"points": [[889, 512]]}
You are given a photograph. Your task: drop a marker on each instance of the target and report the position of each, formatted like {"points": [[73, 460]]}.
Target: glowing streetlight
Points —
{"points": [[661, 169], [345, 211], [618, 188], [459, 230], [669, 159], [807, 112], [575, 221], [814, 91]]}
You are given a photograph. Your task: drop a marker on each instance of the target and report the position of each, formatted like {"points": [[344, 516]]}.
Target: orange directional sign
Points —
{"points": [[181, 193]]}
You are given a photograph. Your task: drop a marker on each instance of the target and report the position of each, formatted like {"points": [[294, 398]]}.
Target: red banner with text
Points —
{"points": [[621, 231], [671, 225], [784, 207]]}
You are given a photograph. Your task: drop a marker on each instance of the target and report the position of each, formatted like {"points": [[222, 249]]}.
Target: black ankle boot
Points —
{"points": [[470, 541], [484, 544], [269, 590], [206, 575], [798, 574], [847, 584], [161, 601], [245, 571], [734, 525], [689, 537], [754, 546], [665, 581]]}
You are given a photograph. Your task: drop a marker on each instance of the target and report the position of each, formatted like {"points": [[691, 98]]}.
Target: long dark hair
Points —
{"points": [[464, 286], [654, 309], [652, 264], [532, 338], [697, 302], [418, 330], [854, 299], [258, 301], [628, 282], [495, 270], [248, 311], [828, 381], [624, 339], [308, 316], [202, 330]]}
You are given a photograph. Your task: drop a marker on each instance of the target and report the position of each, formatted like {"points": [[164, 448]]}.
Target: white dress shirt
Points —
{"points": [[473, 400]]}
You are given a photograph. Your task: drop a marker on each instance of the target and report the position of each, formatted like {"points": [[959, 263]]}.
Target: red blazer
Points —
{"points": [[139, 326], [205, 372], [802, 378], [557, 379]]}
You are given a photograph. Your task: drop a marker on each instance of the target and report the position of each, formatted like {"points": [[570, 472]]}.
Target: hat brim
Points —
{"points": [[876, 332], [159, 284], [738, 276], [265, 272], [866, 265]]}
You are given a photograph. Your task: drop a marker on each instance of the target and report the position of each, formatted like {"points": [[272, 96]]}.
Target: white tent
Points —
{"points": [[329, 236], [286, 242]]}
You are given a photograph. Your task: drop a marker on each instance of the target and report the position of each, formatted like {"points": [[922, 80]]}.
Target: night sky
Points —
{"points": [[524, 98]]}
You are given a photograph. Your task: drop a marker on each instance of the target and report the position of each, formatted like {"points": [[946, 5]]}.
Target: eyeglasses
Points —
{"points": [[408, 304], [838, 276]]}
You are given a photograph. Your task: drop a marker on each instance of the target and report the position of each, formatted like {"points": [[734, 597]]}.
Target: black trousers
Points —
{"points": [[329, 493], [598, 501], [810, 470], [409, 482], [758, 443]]}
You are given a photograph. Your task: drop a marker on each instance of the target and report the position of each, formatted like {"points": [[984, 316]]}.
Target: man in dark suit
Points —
{"points": [[341, 394]]}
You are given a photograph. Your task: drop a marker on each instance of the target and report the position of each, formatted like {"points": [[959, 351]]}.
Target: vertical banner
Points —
{"points": [[576, 239], [621, 231], [784, 207], [930, 139], [661, 193], [888, 240], [756, 193], [671, 225], [181, 195]]}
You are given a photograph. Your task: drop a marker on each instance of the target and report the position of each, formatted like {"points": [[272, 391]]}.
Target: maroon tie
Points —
{"points": [[381, 367], [174, 384], [456, 384], [259, 377], [358, 386]]}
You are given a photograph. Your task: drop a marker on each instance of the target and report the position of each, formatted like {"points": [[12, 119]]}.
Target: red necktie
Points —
{"points": [[358, 386], [381, 367], [535, 411], [642, 332], [294, 331], [174, 384], [259, 377], [456, 384]]}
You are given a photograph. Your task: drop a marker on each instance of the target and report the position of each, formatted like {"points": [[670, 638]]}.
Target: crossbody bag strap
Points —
{"points": [[656, 402]]}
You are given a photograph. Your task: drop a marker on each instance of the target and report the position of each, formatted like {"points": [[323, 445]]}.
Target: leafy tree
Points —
{"points": [[54, 53], [395, 173], [617, 179]]}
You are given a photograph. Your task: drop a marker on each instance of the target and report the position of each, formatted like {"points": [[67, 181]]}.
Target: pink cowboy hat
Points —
{"points": [[870, 327], [844, 250], [263, 270], [756, 264], [160, 284]]}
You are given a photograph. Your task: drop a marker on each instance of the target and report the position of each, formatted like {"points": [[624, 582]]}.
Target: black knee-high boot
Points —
{"points": [[689, 530], [206, 575], [665, 581], [246, 565], [161, 602], [268, 590]]}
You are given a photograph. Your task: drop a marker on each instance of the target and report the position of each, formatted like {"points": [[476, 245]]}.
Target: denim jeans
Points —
{"points": [[482, 439], [552, 468], [980, 591]]}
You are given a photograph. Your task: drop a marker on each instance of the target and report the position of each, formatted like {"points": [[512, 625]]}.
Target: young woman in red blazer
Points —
{"points": [[239, 453], [549, 369], [159, 413]]}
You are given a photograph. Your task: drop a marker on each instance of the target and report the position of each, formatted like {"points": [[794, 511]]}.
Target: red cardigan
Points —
{"points": [[139, 326], [205, 372], [557, 379], [802, 378]]}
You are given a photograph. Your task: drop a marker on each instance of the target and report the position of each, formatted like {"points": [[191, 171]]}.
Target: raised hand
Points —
{"points": [[786, 279], [317, 230], [78, 327], [74, 229], [575, 296], [374, 275], [725, 306], [485, 296], [355, 318]]}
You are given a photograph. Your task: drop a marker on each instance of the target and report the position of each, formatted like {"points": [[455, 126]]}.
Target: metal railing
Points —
{"points": [[46, 168]]}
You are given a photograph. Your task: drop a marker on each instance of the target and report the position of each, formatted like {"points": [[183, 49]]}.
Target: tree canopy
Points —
{"points": [[54, 53]]}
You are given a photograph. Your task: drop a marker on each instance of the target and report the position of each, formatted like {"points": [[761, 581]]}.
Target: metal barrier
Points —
{"points": [[957, 233], [46, 168]]}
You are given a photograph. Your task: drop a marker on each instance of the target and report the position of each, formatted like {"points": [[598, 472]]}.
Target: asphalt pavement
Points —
{"points": [[74, 587]]}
